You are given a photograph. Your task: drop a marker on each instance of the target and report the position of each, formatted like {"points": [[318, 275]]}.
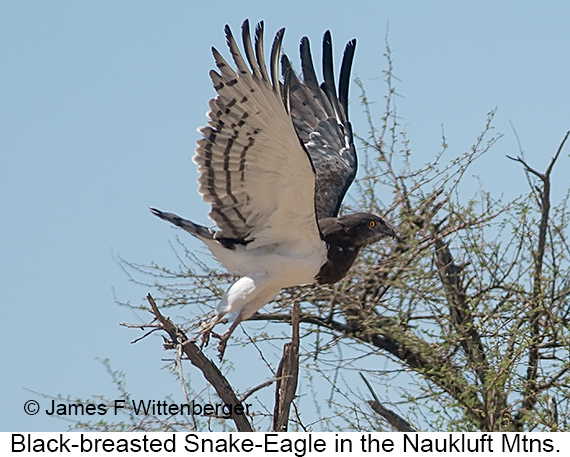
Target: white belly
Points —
{"points": [[283, 267], [265, 271]]}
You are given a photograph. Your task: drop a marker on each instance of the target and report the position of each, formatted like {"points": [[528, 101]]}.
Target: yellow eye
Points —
{"points": [[372, 224]]}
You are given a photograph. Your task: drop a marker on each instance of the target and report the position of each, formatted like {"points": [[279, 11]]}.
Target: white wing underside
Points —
{"points": [[253, 170]]}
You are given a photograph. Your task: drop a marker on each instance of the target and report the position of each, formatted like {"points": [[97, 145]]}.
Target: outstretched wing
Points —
{"points": [[320, 116], [253, 169]]}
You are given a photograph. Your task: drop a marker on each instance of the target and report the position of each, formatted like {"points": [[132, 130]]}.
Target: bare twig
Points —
{"points": [[142, 327], [251, 391]]}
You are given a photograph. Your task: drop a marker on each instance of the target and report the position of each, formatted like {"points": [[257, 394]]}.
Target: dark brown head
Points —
{"points": [[357, 229]]}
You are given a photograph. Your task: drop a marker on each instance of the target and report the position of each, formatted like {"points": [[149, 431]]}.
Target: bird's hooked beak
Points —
{"points": [[389, 231]]}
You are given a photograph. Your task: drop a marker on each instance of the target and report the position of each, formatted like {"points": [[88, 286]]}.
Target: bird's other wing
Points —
{"points": [[320, 116], [254, 171]]}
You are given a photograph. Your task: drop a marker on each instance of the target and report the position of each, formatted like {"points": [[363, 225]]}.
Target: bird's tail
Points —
{"points": [[197, 230]]}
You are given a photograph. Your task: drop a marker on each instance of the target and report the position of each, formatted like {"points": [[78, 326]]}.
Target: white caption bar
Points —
{"points": [[287, 444]]}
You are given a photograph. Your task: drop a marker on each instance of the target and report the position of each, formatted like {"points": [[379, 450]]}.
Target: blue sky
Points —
{"points": [[99, 105]]}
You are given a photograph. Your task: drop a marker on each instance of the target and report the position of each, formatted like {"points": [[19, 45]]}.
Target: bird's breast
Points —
{"points": [[338, 262]]}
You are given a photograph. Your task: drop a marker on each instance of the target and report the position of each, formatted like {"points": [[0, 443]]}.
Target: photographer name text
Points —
{"points": [[148, 407]]}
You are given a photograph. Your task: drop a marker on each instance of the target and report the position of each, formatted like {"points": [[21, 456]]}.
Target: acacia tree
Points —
{"points": [[462, 323]]}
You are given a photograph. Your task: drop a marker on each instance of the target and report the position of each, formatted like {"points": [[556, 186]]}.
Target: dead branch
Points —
{"points": [[287, 375]]}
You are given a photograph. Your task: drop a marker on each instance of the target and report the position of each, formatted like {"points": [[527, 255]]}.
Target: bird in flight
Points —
{"points": [[275, 162]]}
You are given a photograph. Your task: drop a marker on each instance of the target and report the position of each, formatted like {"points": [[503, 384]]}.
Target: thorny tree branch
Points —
{"points": [[286, 378], [204, 364]]}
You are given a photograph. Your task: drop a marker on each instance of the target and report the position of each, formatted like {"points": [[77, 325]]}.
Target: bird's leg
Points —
{"points": [[207, 327], [223, 339]]}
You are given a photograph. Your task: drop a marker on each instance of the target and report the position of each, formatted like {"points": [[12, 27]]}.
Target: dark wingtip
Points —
{"points": [[329, 85], [245, 26], [344, 80], [307, 67], [259, 29], [285, 62]]}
